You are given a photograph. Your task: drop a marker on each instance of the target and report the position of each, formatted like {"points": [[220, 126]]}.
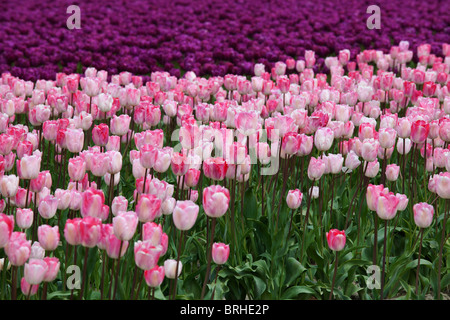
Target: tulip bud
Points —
{"points": [[185, 214], [124, 225], [146, 255], [148, 207], [215, 200], [154, 277], [220, 253], [171, 270], [48, 237], [316, 168], [24, 218], [294, 199], [53, 265], [423, 214], [336, 239], [35, 270]]}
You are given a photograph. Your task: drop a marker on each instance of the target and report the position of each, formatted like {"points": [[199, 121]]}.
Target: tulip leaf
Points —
{"points": [[294, 269], [294, 292]]}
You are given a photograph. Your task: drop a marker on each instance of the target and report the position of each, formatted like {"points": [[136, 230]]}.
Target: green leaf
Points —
{"points": [[423, 262], [58, 294], [294, 292], [445, 281], [260, 287], [250, 209], [294, 269], [92, 260]]}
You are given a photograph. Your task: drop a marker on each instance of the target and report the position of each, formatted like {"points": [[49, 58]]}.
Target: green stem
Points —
{"points": [[334, 275]]}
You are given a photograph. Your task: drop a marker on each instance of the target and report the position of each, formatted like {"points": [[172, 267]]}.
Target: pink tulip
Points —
{"points": [[35, 270], [194, 195], [163, 160], [170, 268], [48, 237], [387, 137], [92, 201], [334, 163], [189, 135], [6, 144], [119, 203], [403, 202], [24, 218], [89, 231], [75, 200], [115, 162], [98, 164], [372, 169], [387, 205], [442, 182], [215, 168], [24, 148], [120, 125], [168, 205], [263, 152], [30, 167], [48, 206], [294, 199], [125, 224], [148, 155], [77, 168], [366, 131], [100, 134], [220, 253], [146, 255], [113, 143], [407, 147], [28, 289], [152, 232], [9, 185], [369, 149], [37, 184], [423, 214], [53, 266], [316, 168], [336, 239], [246, 122], [91, 86], [74, 140], [419, 131], [372, 195], [444, 129], [179, 164], [392, 172], [185, 214], [6, 228], [111, 243], [191, 178], [72, 231], [154, 277], [215, 200], [37, 252], [105, 102], [63, 197], [323, 138], [305, 145], [148, 207], [18, 249], [291, 143]]}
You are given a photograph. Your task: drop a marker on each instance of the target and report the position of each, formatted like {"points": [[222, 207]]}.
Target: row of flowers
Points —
{"points": [[109, 162], [213, 38]]}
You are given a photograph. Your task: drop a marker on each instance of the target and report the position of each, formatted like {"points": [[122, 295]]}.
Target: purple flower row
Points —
{"points": [[208, 37]]}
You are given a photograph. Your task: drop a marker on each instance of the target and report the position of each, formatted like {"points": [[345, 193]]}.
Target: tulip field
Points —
{"points": [[308, 171]]}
